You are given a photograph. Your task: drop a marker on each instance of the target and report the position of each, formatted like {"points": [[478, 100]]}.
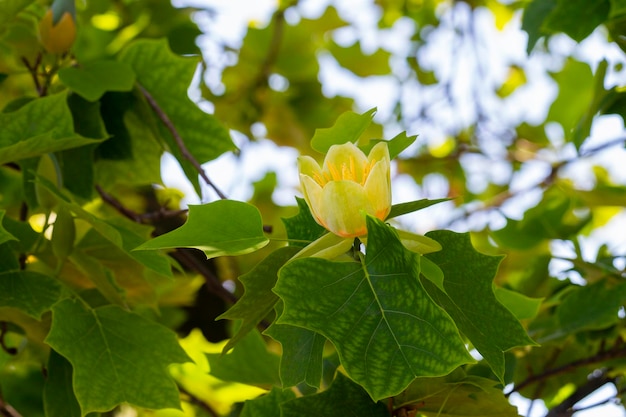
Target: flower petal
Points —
{"points": [[348, 155], [379, 152], [308, 166], [342, 208], [313, 195], [378, 189]]}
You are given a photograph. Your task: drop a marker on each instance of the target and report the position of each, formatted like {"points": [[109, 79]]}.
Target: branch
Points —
{"points": [[145, 218], [565, 409], [41, 91], [618, 351], [179, 140], [7, 411]]}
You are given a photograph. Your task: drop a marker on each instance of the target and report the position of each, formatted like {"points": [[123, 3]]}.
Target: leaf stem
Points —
{"points": [[179, 140]]}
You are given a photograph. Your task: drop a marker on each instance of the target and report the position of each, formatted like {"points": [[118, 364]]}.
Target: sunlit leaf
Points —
{"points": [[348, 128], [117, 356], [224, 227], [41, 126], [521, 306], [411, 206], [384, 325]]}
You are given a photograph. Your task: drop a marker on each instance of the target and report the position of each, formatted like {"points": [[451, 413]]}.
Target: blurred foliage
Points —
{"points": [[514, 141]]}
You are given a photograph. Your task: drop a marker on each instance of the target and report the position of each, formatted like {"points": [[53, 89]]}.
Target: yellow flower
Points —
{"points": [[57, 28], [347, 186]]}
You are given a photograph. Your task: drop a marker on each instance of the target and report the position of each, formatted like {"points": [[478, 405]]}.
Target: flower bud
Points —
{"points": [[57, 28], [347, 186]]}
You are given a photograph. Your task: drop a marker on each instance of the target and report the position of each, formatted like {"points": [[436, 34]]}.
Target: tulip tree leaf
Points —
{"points": [[267, 405], [342, 398], [58, 397], [248, 363], [29, 291], [117, 356], [591, 307], [353, 59], [258, 300], [302, 228], [384, 325], [94, 79], [396, 145], [470, 396], [577, 18], [411, 206], [470, 300], [302, 357], [40, 126], [5, 236], [522, 306], [166, 77], [535, 14], [221, 228], [348, 128]]}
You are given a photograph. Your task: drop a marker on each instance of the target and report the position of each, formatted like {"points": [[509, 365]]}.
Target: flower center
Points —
{"points": [[344, 172]]}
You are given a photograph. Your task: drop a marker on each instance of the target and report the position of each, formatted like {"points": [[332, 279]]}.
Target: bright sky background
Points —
{"points": [[236, 175]]}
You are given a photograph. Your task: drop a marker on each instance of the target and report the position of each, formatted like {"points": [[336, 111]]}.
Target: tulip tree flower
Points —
{"points": [[57, 28], [348, 186]]}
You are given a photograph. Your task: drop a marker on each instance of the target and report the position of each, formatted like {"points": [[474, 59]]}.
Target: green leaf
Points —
{"points": [[448, 396], [221, 228], [301, 360], [343, 398], [591, 307], [248, 363], [348, 128], [166, 77], [267, 405], [58, 396], [29, 291], [117, 356], [384, 325], [576, 91], [396, 145], [302, 228], [362, 65], [577, 18], [618, 9], [469, 298], [94, 79], [522, 306], [5, 236], [534, 16], [41, 126], [258, 300], [411, 206], [10, 8]]}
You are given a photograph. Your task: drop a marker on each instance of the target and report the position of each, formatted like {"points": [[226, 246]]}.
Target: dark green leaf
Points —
{"points": [[411, 206], [301, 360], [4, 234], [577, 18], [258, 300], [534, 16], [343, 398], [94, 79], [117, 356], [348, 128], [29, 291], [267, 405], [302, 228], [469, 298], [166, 77], [224, 227], [384, 325], [591, 307], [248, 363], [618, 9], [41, 126], [58, 396]]}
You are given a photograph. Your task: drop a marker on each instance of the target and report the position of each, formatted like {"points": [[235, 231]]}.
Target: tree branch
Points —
{"points": [[617, 351], [565, 409], [6, 410], [179, 141]]}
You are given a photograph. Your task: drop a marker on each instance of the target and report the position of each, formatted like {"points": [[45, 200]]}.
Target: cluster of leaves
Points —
{"points": [[383, 331]]}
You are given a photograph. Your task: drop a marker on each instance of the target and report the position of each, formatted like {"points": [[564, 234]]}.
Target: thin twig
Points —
{"points": [[179, 141], [7, 411], [33, 72], [616, 352], [144, 218]]}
